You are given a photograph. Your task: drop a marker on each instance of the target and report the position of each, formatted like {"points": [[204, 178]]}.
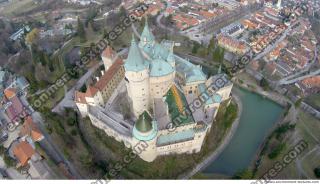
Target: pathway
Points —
{"points": [[171, 30]]}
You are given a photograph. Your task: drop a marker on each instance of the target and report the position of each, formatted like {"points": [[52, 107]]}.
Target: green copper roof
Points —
{"points": [[176, 137], [135, 61], [144, 123], [146, 33], [203, 92], [170, 58], [192, 72], [145, 128], [160, 68], [217, 98]]}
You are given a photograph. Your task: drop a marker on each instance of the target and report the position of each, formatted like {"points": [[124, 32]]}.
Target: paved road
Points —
{"points": [[171, 30], [301, 78], [67, 101]]}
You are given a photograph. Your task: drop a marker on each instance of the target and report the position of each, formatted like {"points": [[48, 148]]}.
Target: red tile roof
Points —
{"points": [[312, 82], [10, 92], [101, 84], [108, 52], [23, 151], [109, 74], [29, 128]]}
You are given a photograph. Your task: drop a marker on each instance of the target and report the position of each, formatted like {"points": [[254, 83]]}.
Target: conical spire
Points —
{"points": [[144, 123], [135, 61], [147, 34]]}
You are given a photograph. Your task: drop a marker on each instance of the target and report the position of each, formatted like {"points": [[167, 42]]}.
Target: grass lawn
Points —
{"points": [[307, 129], [18, 6], [314, 101], [310, 162]]}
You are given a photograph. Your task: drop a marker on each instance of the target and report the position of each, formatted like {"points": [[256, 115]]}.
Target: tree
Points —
{"points": [[298, 103], [2, 24], [123, 12], [264, 84], [81, 32], [195, 47], [32, 36], [212, 45], [83, 88], [276, 151], [2, 150], [317, 172], [245, 174], [10, 162]]}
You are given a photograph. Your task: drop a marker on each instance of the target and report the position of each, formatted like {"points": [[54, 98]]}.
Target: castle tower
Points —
{"points": [[146, 36], [108, 57], [144, 137], [137, 79]]}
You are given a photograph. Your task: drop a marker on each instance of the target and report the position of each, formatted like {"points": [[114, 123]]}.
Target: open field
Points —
{"points": [[307, 129], [18, 7], [314, 101]]}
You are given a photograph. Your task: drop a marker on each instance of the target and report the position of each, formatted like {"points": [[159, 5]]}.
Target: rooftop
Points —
{"points": [[23, 151]]}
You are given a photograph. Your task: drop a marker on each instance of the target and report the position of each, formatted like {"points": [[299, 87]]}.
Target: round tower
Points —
{"points": [[137, 79], [144, 137]]}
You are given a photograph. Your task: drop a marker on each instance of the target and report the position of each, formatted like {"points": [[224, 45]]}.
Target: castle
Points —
{"points": [[162, 89]]}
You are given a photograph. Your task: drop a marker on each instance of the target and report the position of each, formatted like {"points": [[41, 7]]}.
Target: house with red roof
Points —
{"points": [[31, 130], [13, 106]]}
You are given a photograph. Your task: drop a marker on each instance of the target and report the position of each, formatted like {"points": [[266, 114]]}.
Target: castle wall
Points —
{"points": [[128, 141]]}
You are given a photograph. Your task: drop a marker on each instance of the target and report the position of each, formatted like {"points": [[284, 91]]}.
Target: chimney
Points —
{"points": [[102, 72]]}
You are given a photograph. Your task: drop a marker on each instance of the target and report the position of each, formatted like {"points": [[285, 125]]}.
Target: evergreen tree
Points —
{"points": [[81, 31]]}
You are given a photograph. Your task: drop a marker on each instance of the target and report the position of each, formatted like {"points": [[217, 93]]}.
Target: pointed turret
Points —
{"points": [[146, 37], [220, 69], [144, 123], [135, 61]]}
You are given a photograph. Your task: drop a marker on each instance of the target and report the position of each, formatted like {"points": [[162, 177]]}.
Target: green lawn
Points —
{"points": [[18, 6], [314, 100]]}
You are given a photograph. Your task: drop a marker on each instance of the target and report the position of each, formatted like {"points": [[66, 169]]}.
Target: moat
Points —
{"points": [[257, 119]]}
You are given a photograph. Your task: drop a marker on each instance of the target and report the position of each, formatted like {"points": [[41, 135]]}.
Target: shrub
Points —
{"points": [[2, 150], [317, 172], [71, 121], [276, 151], [10, 162], [74, 132]]}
